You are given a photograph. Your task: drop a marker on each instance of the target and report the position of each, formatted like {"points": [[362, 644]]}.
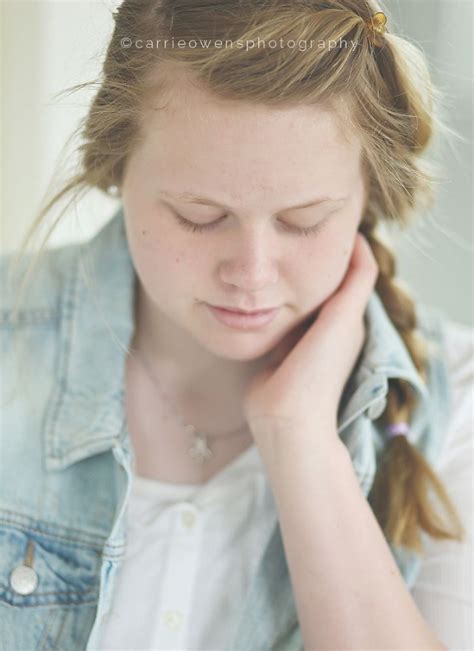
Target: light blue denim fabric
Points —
{"points": [[66, 457]]}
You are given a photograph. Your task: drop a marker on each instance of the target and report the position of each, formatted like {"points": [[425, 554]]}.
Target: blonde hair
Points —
{"points": [[384, 93]]}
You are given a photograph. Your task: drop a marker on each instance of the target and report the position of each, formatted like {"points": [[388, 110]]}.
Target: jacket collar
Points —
{"points": [[86, 415]]}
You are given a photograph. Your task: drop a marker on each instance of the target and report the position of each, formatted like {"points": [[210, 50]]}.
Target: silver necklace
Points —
{"points": [[200, 449]]}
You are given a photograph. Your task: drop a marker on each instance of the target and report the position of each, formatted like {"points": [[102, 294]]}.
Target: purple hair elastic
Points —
{"points": [[398, 429]]}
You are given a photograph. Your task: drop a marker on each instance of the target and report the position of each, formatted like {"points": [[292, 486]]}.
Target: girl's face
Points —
{"points": [[267, 174]]}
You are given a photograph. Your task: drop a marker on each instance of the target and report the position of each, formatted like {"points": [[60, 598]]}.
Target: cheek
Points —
{"points": [[164, 262], [151, 243], [323, 271], [339, 263], [160, 256]]}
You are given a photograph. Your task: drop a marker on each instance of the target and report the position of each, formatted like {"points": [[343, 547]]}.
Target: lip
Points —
{"points": [[242, 320], [239, 311]]}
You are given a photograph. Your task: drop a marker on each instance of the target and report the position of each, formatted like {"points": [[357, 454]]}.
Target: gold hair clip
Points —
{"points": [[377, 26]]}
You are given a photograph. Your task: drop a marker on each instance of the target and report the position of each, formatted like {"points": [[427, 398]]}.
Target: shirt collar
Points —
{"points": [[86, 415]]}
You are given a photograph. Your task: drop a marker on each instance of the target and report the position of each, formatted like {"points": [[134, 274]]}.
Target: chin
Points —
{"points": [[240, 347]]}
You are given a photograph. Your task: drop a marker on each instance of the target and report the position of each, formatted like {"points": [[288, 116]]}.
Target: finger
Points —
{"points": [[340, 317], [351, 298], [290, 340]]}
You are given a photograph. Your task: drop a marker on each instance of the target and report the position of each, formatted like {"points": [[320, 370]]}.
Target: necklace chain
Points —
{"points": [[200, 449]]}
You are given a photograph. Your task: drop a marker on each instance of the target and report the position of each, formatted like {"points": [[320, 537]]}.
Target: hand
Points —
{"points": [[305, 388]]}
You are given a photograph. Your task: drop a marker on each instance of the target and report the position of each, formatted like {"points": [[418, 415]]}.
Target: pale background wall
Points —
{"points": [[48, 46]]}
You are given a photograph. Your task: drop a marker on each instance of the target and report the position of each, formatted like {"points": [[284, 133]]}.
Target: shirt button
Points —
{"points": [[23, 580], [188, 519], [172, 619], [377, 408]]}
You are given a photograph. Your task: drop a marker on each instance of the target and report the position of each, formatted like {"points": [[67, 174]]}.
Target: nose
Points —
{"points": [[251, 265]]}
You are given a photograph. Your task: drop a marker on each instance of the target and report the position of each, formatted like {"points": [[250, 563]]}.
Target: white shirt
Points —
{"points": [[192, 550]]}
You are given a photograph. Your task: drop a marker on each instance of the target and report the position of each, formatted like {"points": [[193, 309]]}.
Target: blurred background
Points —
{"points": [[49, 46]]}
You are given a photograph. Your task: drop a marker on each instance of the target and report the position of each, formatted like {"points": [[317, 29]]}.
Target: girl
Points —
{"points": [[230, 413]]}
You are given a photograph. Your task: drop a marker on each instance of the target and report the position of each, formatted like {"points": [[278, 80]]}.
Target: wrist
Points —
{"points": [[316, 447]]}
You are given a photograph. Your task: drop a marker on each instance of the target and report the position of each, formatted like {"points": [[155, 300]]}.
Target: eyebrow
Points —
{"points": [[190, 197]]}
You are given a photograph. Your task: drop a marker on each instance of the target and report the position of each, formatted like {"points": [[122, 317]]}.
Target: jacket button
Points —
{"points": [[23, 580], [377, 408]]}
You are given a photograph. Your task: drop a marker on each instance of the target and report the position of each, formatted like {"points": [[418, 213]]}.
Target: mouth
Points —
{"points": [[236, 310], [239, 320]]}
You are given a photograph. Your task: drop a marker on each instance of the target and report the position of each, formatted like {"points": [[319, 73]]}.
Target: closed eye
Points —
{"points": [[298, 230]]}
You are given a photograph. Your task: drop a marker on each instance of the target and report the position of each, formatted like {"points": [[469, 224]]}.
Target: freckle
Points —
{"points": [[177, 259], [144, 232]]}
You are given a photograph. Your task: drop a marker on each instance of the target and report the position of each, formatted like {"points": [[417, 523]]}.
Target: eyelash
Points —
{"points": [[200, 228]]}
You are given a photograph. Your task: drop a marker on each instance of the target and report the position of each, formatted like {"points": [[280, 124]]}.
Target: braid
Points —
{"points": [[399, 494]]}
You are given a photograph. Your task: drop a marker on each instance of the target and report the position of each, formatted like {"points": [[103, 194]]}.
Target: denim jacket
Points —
{"points": [[66, 456]]}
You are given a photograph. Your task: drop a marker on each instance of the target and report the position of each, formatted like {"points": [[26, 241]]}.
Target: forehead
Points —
{"points": [[183, 101], [191, 129]]}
